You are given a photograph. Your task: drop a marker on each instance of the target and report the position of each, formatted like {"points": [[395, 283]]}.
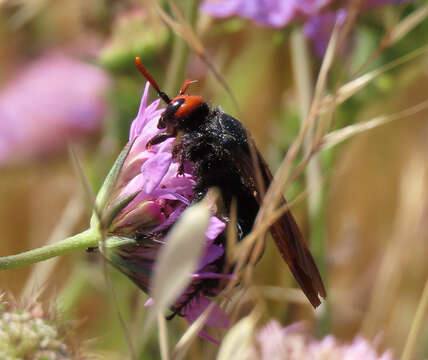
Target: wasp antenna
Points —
{"points": [[186, 84], [150, 79]]}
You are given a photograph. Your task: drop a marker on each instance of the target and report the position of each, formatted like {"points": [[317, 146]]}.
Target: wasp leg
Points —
{"points": [[177, 149], [171, 316], [178, 152], [181, 164], [159, 138]]}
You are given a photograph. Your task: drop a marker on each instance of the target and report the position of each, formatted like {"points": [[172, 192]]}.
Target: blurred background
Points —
{"points": [[67, 75]]}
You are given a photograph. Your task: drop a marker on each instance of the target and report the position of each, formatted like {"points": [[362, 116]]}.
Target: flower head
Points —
{"points": [[318, 28], [272, 13], [318, 16], [57, 98], [149, 176], [31, 333], [133, 32], [275, 342]]}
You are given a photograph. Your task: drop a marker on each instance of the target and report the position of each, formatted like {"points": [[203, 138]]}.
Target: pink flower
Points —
{"points": [[318, 16], [161, 195], [273, 13], [54, 100], [275, 342]]}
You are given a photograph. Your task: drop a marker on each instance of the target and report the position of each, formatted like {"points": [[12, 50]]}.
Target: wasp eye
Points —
{"points": [[172, 109], [161, 123]]}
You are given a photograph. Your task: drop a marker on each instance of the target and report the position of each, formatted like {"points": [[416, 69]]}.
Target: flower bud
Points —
{"points": [[134, 33], [142, 198]]}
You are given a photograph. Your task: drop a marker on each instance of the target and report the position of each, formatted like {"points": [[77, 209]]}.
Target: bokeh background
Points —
{"points": [[67, 75]]}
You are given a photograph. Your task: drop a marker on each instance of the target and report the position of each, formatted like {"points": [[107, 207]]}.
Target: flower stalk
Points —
{"points": [[85, 239]]}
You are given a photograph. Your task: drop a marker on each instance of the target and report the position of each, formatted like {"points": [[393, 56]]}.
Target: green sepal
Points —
{"points": [[109, 184], [110, 247], [118, 241], [112, 251], [111, 212]]}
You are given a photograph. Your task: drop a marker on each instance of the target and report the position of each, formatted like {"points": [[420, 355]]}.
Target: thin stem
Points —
{"points": [[163, 337], [180, 51], [417, 325], [304, 84], [85, 239]]}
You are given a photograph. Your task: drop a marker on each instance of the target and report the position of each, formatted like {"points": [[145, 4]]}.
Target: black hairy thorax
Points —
{"points": [[214, 144]]}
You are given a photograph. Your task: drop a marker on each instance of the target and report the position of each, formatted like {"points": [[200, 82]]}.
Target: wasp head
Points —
{"points": [[182, 111]]}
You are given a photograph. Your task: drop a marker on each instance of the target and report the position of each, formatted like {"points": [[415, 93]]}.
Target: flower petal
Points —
{"points": [[216, 318], [154, 169], [172, 218], [138, 123], [215, 228], [212, 253]]}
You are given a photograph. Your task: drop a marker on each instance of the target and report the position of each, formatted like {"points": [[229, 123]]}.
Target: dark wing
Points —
{"points": [[285, 231]]}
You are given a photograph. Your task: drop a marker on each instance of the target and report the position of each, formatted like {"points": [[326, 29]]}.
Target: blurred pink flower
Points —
{"points": [[162, 196], [318, 28], [55, 99], [290, 343], [318, 16], [273, 13]]}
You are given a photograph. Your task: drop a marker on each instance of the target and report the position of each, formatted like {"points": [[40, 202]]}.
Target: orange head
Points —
{"points": [[180, 108]]}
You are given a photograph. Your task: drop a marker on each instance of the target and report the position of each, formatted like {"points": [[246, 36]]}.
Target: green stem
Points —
{"points": [[180, 51], [85, 239], [313, 175]]}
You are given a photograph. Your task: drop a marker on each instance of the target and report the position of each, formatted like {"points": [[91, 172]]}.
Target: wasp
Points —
{"points": [[219, 148]]}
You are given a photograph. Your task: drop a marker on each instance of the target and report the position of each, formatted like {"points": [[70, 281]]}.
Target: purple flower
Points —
{"points": [[161, 196], [275, 342], [273, 13], [55, 99], [318, 16], [318, 29]]}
